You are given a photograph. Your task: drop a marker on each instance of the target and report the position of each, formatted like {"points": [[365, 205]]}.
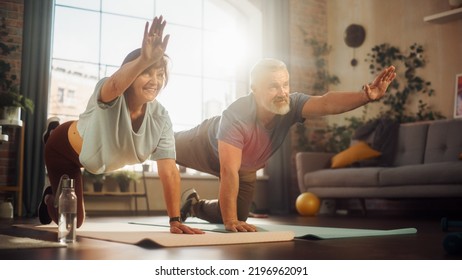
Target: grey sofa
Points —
{"points": [[426, 165]]}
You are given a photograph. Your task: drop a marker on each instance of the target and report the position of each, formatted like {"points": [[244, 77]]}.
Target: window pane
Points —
{"points": [[86, 4], [242, 89], [183, 100], [76, 35], [208, 55], [120, 35], [218, 16], [71, 86], [137, 8], [184, 49], [220, 54], [218, 94], [106, 70], [180, 11]]}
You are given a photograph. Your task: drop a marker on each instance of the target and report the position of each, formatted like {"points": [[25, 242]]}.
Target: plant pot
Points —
{"points": [[124, 186], [11, 114], [455, 4], [98, 186]]}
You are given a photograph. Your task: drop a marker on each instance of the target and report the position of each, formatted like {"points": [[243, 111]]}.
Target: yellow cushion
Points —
{"points": [[357, 152]]}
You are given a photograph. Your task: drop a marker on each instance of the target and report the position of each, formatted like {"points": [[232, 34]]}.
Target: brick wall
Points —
{"points": [[308, 19], [12, 11]]}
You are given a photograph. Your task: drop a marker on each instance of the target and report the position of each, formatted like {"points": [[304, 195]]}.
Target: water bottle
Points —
{"points": [[67, 210]]}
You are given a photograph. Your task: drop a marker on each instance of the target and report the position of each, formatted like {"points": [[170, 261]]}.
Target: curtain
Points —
{"points": [[275, 17], [35, 76]]}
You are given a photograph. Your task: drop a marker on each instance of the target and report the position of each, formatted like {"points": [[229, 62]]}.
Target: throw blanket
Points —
{"points": [[382, 136]]}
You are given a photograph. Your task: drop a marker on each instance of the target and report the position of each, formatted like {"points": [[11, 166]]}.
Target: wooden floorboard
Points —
{"points": [[425, 245]]}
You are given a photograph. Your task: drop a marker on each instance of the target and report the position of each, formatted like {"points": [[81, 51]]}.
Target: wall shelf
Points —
{"points": [[444, 16], [119, 194], [129, 194]]}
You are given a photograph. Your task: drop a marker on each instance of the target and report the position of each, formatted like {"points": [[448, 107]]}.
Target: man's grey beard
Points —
{"points": [[279, 110]]}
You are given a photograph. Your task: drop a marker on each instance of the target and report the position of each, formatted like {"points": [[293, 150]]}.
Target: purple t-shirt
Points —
{"points": [[238, 126]]}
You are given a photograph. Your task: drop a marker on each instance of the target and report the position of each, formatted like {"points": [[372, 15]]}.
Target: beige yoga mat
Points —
{"points": [[14, 242], [144, 235]]}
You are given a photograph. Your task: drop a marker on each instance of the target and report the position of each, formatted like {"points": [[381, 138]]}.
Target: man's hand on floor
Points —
{"points": [[239, 226]]}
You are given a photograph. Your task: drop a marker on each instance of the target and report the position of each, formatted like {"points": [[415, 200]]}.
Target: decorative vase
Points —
{"points": [[10, 113], [97, 186], [124, 186], [454, 4]]}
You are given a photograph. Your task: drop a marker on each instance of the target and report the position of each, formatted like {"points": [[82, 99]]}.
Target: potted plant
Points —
{"points": [[11, 101], [96, 179], [124, 178]]}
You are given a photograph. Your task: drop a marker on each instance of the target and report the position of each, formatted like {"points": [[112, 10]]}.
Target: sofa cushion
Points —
{"points": [[422, 174], [356, 152], [411, 144], [444, 141], [343, 177]]}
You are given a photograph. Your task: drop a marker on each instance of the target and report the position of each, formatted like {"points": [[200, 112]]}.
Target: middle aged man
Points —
{"points": [[236, 144]]}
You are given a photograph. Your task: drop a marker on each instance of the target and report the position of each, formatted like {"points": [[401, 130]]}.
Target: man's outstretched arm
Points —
{"points": [[337, 102]]}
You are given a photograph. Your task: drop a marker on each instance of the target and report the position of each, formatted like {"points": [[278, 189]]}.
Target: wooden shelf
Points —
{"points": [[11, 122], [444, 16], [131, 194], [119, 194], [18, 188]]}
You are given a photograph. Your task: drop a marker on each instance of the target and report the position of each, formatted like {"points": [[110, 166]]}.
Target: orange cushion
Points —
{"points": [[357, 152]]}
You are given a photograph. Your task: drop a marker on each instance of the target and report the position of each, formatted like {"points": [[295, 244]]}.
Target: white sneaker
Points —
{"points": [[52, 123]]}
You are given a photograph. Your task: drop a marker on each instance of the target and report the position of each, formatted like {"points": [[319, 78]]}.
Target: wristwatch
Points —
{"points": [[175, 219]]}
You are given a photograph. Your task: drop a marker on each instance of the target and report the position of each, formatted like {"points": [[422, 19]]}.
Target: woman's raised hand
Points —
{"points": [[154, 45]]}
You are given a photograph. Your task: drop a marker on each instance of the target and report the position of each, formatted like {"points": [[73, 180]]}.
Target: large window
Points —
{"points": [[209, 49]]}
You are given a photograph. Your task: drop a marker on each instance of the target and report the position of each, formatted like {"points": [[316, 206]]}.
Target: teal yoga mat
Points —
{"points": [[305, 232]]}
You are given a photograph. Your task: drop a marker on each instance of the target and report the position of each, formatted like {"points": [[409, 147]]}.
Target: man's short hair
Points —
{"points": [[263, 67]]}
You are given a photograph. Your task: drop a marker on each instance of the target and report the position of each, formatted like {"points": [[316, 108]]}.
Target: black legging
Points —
{"points": [[60, 158]]}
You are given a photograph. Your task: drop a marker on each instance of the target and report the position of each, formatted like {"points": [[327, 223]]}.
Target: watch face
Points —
{"points": [[354, 35]]}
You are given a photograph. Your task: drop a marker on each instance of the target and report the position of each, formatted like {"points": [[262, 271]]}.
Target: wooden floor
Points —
{"points": [[426, 244]]}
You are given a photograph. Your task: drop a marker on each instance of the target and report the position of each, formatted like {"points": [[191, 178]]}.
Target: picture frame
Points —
{"points": [[458, 97]]}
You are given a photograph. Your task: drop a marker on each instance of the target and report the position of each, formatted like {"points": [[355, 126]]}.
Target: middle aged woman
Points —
{"points": [[123, 124]]}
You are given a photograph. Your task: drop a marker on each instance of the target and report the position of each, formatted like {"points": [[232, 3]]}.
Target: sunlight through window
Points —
{"points": [[209, 50]]}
